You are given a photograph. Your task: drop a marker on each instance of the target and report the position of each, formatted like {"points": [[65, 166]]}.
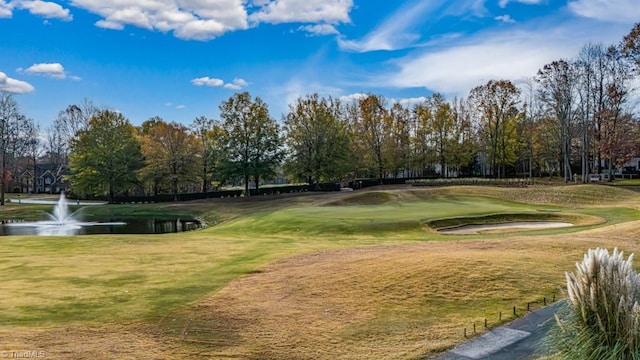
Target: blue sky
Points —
{"points": [[178, 59]]}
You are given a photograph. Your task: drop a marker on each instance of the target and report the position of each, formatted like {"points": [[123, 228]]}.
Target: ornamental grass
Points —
{"points": [[601, 320]]}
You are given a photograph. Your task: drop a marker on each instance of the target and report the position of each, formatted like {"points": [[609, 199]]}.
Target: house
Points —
{"points": [[49, 178]]}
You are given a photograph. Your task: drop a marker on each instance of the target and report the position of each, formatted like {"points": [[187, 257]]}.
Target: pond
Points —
{"points": [[111, 226]]}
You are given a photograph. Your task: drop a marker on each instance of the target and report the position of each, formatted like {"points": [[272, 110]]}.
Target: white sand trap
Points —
{"points": [[524, 225]]}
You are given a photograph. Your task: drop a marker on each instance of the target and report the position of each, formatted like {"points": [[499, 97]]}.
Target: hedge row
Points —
{"points": [[275, 190], [472, 181]]}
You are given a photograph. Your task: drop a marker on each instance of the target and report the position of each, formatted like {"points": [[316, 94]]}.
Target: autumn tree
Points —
{"points": [[498, 120], [252, 142], [105, 156], [619, 133], [397, 146], [631, 46], [202, 129], [437, 131], [169, 150], [369, 128], [463, 147], [317, 139], [557, 92]]}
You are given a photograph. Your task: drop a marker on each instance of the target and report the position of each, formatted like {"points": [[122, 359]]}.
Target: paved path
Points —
{"points": [[523, 339]]}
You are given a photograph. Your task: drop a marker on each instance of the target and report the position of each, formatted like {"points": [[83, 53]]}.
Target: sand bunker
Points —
{"points": [[511, 226]]}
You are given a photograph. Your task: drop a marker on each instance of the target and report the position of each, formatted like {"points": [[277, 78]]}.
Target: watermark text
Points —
{"points": [[23, 354]]}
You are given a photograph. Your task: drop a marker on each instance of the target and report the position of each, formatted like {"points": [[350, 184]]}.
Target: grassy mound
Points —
{"points": [[365, 198]]}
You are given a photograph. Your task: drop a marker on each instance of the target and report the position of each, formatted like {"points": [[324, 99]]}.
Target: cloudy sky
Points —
{"points": [[178, 59]]}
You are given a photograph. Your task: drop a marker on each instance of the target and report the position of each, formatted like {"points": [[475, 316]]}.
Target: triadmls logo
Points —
{"points": [[23, 354]]}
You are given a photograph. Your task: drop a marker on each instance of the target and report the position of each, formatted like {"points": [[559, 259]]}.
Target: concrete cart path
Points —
{"points": [[523, 339]]}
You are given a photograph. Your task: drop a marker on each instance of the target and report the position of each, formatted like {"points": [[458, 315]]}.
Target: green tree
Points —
{"points": [[252, 142], [318, 140], [105, 156]]}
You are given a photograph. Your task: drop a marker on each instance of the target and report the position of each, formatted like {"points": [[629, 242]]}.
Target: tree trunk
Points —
{"points": [[111, 193], [174, 187], [256, 182], [204, 179]]}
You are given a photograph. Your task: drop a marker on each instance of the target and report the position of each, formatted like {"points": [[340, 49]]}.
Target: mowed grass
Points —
{"points": [[355, 275]]}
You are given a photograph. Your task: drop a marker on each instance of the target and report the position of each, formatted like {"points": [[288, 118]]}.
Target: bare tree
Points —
{"points": [[557, 91], [9, 116]]}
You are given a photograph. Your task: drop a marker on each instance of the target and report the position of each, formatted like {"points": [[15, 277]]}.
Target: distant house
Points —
{"points": [[49, 178], [632, 166]]}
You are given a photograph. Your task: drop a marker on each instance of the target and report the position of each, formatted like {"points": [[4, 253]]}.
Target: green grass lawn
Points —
{"points": [[98, 279]]}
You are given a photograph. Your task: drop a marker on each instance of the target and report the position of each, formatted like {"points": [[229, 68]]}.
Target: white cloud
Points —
{"points": [[410, 101], [319, 29], [350, 98], [503, 3], [240, 82], [624, 11], [195, 19], [236, 84], [394, 32], [180, 107], [308, 11], [506, 18], [464, 7], [45, 9], [187, 19], [53, 70], [207, 81], [14, 86], [514, 55], [6, 9]]}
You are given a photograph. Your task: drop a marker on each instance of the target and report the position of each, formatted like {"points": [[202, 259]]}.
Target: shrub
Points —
{"points": [[602, 319]]}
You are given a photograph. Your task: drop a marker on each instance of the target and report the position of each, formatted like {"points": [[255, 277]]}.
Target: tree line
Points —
{"points": [[574, 117]]}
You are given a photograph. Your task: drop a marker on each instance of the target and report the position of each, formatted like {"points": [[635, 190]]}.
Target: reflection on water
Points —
{"points": [[119, 226]]}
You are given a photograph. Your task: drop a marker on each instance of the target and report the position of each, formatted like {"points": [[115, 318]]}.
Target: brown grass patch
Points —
{"points": [[382, 302]]}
